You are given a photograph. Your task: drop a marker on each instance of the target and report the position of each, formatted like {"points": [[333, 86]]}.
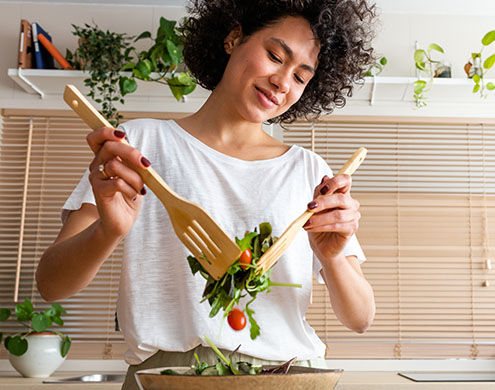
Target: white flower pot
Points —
{"points": [[42, 357]]}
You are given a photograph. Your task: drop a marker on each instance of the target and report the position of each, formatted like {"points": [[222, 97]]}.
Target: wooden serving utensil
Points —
{"points": [[270, 257], [213, 248]]}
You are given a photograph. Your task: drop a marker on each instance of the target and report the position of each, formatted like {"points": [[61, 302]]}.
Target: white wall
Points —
{"points": [[457, 26]]}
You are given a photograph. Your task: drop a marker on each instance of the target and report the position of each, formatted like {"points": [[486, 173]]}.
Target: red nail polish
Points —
{"points": [[324, 190], [312, 205], [119, 134], [143, 191], [308, 222], [145, 162]]}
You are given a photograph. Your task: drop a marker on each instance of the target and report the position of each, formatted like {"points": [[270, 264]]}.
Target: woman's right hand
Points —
{"points": [[119, 189]]}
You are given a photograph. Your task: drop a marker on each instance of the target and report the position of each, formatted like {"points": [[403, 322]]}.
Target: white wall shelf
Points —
{"points": [[377, 96]]}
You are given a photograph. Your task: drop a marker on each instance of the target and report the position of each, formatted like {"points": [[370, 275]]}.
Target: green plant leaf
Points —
{"points": [[489, 62], [127, 85], [58, 320], [476, 78], [488, 38], [24, 311], [476, 88], [4, 314], [128, 66], [434, 46], [65, 346], [420, 56], [144, 68], [17, 346], [383, 61], [145, 34], [173, 52], [167, 28], [490, 86], [41, 322], [421, 66]]}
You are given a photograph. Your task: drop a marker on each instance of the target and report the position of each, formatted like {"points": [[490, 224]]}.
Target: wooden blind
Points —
{"points": [[427, 200]]}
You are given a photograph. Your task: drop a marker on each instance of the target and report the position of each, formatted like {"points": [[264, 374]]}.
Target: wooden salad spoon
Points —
{"points": [[197, 230]]}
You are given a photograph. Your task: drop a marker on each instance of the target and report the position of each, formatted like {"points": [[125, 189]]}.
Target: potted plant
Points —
{"points": [[376, 67], [114, 64], [36, 351], [162, 63], [425, 64], [102, 54], [476, 68]]}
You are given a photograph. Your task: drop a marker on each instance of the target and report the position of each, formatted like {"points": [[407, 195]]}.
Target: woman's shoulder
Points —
{"points": [[141, 128]]}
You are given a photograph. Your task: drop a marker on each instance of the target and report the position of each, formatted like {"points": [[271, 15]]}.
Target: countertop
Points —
{"points": [[350, 380]]}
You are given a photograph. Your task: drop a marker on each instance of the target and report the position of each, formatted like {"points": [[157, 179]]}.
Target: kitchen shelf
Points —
{"points": [[376, 96]]}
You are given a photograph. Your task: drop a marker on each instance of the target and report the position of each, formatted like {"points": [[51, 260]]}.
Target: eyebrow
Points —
{"points": [[290, 53]]}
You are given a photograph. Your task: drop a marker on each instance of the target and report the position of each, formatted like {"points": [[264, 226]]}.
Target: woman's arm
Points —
{"points": [[335, 220], [91, 233], [76, 255], [350, 293]]}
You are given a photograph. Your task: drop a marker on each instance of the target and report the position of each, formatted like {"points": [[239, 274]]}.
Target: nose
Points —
{"points": [[280, 81]]}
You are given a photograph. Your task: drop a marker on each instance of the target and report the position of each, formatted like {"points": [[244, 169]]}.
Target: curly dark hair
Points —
{"points": [[344, 29]]}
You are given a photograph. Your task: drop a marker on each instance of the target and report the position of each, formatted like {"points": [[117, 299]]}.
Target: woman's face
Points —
{"points": [[267, 72]]}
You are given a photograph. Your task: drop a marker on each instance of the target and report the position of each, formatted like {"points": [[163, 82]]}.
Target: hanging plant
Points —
{"points": [[102, 54], [477, 72], [162, 63], [424, 62], [114, 64]]}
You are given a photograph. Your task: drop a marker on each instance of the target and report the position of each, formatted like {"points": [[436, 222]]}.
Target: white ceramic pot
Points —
{"points": [[42, 357]]}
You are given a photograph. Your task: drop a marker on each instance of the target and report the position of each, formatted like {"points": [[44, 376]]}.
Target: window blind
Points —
{"points": [[48, 151], [426, 192]]}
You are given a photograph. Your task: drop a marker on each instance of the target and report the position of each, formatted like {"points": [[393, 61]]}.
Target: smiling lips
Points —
{"points": [[266, 98]]}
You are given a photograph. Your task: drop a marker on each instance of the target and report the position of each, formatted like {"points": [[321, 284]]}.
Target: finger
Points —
{"points": [[130, 156], [98, 137], [320, 186], [333, 201], [116, 168], [346, 228], [333, 217], [338, 183], [108, 188]]}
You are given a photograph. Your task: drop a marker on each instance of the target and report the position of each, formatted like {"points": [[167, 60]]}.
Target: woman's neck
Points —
{"points": [[218, 126]]}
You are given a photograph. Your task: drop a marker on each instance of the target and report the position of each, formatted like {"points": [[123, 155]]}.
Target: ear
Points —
{"points": [[232, 39]]}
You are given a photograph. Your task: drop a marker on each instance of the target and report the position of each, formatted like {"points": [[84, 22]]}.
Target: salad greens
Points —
{"points": [[241, 279], [226, 366]]}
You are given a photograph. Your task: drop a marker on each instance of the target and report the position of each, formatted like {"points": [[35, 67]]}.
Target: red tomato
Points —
{"points": [[246, 258], [236, 319]]}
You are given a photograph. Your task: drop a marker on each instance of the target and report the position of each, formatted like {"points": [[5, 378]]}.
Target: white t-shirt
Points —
{"points": [[158, 306]]}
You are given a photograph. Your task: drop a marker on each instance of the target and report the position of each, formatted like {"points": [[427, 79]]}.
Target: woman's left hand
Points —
{"points": [[336, 217]]}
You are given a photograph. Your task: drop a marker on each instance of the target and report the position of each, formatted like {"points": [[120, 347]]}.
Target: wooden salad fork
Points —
{"points": [[270, 257], [197, 230]]}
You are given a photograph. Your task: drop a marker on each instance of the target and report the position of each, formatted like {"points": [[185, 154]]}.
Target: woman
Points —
{"points": [[264, 61]]}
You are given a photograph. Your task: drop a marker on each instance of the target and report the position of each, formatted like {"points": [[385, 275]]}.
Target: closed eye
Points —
{"points": [[274, 57], [299, 79]]}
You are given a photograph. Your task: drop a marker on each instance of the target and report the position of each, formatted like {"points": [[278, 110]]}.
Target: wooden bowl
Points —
{"points": [[298, 378]]}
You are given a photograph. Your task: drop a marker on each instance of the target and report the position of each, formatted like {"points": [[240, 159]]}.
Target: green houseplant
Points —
{"points": [[102, 54], [376, 67], [36, 342], [114, 64], [478, 73], [163, 62], [424, 62]]}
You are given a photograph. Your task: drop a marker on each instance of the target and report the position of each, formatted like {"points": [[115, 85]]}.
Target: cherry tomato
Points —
{"points": [[236, 319], [246, 258]]}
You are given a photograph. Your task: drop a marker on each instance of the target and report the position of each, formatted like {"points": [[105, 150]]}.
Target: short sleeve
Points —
{"points": [[83, 193]]}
